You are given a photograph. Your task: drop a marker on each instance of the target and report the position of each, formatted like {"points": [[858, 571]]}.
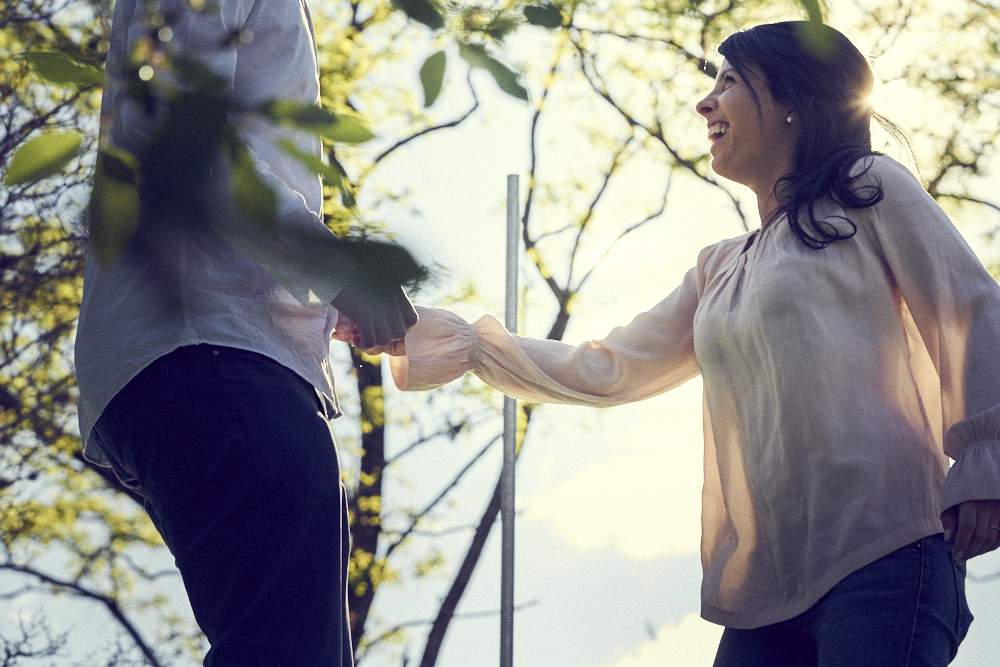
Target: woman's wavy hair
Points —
{"points": [[822, 76]]}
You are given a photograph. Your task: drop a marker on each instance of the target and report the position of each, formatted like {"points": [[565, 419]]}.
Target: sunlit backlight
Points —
{"points": [[145, 72]]}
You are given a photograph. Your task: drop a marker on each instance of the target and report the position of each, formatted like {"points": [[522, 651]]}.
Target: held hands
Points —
{"points": [[975, 527], [347, 332], [372, 319], [376, 312]]}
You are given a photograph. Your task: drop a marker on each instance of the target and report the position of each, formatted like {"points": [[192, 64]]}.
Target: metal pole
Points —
{"points": [[509, 437]]}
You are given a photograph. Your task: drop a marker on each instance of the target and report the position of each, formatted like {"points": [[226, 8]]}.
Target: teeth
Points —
{"points": [[716, 130]]}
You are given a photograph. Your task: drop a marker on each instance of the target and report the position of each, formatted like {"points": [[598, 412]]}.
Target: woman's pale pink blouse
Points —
{"points": [[837, 383]]}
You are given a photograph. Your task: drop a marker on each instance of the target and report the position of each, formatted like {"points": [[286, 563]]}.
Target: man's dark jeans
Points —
{"points": [[235, 459]]}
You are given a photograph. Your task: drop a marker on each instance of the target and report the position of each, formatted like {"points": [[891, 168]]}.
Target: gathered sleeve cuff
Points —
{"points": [[974, 444], [652, 354], [439, 349]]}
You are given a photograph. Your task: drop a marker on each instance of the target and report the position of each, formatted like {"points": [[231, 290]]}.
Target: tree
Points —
{"points": [[596, 72]]}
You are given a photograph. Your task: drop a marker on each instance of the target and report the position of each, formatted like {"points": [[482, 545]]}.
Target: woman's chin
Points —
{"points": [[719, 166]]}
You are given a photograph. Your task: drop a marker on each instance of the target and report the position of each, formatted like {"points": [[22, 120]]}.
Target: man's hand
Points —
{"points": [[975, 527], [379, 315]]}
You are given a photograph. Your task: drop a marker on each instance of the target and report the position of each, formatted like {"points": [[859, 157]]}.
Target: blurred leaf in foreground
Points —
{"points": [[58, 67], [546, 15], [334, 127], [42, 156], [329, 173], [432, 76], [476, 56], [113, 212], [254, 199], [422, 11]]}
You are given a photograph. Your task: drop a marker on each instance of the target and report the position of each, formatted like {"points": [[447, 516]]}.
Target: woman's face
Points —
{"points": [[753, 145]]}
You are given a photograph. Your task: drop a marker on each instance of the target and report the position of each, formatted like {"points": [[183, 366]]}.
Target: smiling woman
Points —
{"points": [[804, 127], [753, 135]]}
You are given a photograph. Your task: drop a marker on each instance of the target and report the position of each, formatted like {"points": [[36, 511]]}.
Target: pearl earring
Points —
{"points": [[789, 120]]}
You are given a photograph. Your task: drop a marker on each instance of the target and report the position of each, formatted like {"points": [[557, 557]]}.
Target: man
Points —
{"points": [[202, 351]]}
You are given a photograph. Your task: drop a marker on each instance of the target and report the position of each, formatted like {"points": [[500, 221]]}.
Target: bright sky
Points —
{"points": [[614, 588]]}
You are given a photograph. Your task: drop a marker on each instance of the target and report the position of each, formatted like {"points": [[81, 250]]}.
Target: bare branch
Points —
{"points": [[597, 84], [628, 230], [109, 603], [458, 616], [444, 492], [449, 431], [434, 128], [616, 162], [704, 66]]}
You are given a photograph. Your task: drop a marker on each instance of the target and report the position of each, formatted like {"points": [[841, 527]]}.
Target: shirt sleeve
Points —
{"points": [[955, 304], [649, 356], [298, 251]]}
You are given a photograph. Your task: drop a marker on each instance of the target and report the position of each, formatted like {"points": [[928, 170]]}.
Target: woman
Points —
{"points": [[846, 348]]}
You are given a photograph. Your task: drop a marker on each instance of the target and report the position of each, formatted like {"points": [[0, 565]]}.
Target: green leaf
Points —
{"points": [[199, 77], [816, 38], [335, 127], [329, 173], [476, 56], [254, 199], [312, 162], [289, 112], [814, 9], [113, 212], [57, 67], [422, 11], [119, 165], [384, 263], [545, 15], [432, 76], [43, 156], [348, 130]]}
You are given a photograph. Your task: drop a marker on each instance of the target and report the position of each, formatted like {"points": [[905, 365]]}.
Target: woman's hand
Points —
{"points": [[345, 331], [396, 348], [975, 527]]}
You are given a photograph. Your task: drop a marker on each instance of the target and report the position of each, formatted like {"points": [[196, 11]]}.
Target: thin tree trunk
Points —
{"points": [[450, 603], [367, 503]]}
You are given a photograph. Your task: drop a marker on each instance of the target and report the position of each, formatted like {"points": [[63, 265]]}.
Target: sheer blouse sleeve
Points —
{"points": [[651, 355], [955, 304]]}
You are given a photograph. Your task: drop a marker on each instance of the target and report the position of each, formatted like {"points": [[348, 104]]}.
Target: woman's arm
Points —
{"points": [[652, 354], [955, 304]]}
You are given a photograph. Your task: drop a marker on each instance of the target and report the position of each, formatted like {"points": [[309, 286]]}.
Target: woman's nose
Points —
{"points": [[705, 106]]}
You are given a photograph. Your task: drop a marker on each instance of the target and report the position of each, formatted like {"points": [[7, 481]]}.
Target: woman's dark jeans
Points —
{"points": [[906, 609], [235, 459]]}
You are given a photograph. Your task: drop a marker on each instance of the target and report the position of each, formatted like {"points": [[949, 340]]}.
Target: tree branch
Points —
{"points": [[422, 513], [109, 603]]}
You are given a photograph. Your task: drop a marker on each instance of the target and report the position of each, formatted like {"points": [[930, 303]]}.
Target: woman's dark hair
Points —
{"points": [[822, 76]]}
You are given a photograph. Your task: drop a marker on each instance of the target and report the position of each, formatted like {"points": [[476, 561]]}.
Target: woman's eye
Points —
{"points": [[728, 80]]}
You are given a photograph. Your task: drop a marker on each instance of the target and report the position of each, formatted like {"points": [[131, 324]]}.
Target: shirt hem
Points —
{"points": [[856, 561]]}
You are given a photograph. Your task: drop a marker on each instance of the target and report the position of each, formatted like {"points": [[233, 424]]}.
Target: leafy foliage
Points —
{"points": [[616, 78]]}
